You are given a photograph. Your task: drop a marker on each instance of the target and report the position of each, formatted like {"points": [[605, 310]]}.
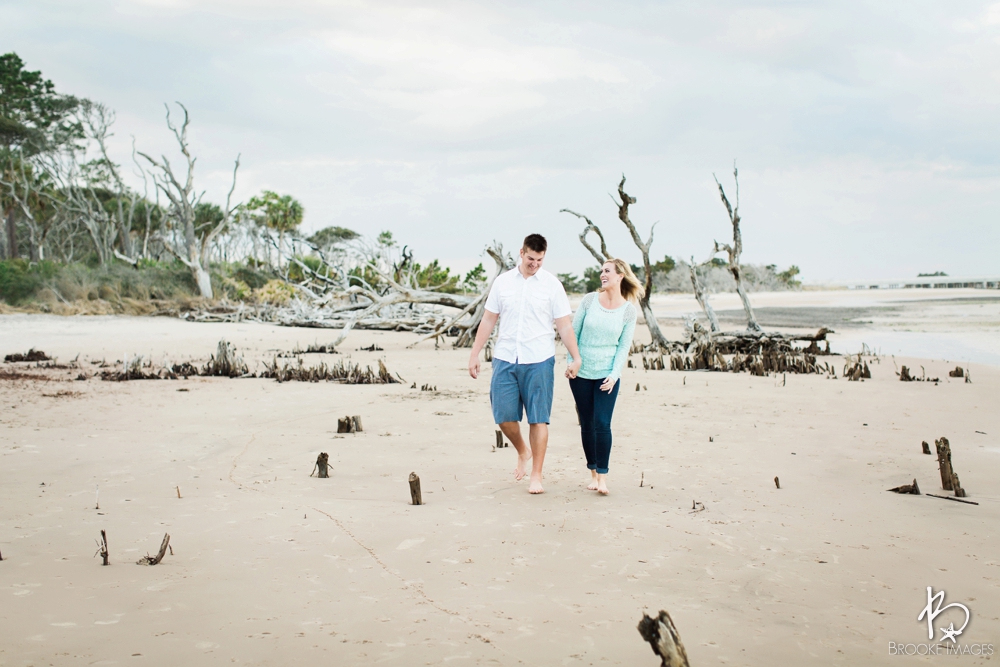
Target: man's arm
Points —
{"points": [[564, 325], [482, 335]]}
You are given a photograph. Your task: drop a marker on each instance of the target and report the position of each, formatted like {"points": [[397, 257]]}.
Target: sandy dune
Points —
{"points": [[274, 567]]}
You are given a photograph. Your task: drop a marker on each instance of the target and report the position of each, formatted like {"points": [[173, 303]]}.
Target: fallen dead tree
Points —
{"points": [[737, 352], [363, 285]]}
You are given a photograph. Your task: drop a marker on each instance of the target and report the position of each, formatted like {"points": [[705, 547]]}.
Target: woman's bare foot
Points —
{"points": [[523, 466], [602, 485], [593, 481], [536, 484]]}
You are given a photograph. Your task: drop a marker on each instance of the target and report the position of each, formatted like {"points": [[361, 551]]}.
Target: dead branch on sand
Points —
{"points": [[151, 560]]}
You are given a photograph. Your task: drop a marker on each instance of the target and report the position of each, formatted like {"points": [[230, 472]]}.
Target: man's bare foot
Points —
{"points": [[523, 466], [602, 485], [593, 481], [536, 485]]}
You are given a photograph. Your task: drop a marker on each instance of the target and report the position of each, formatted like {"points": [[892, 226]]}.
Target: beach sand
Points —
{"points": [[273, 567]]}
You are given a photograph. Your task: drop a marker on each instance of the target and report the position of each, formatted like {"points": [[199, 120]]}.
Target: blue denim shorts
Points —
{"points": [[517, 386]]}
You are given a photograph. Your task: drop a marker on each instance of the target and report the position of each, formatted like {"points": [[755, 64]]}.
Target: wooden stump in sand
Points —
{"points": [[663, 638], [322, 465], [944, 462], [349, 424], [926, 447], [415, 489], [103, 544]]}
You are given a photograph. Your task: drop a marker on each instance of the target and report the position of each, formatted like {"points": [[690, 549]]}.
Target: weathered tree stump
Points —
{"points": [[907, 488], [500, 444], [322, 465], [926, 447], [415, 496], [662, 636], [944, 462], [777, 484], [349, 424], [150, 560], [957, 486], [904, 375], [957, 373], [103, 544]]}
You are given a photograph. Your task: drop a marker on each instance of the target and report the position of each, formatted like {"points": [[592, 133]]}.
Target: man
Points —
{"points": [[528, 301]]}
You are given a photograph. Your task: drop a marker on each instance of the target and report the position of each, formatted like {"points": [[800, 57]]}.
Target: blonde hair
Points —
{"points": [[631, 288]]}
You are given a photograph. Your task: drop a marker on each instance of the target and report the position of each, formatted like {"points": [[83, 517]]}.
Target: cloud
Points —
{"points": [[858, 126]]}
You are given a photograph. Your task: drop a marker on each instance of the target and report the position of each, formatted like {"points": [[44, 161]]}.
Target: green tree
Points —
{"points": [[33, 118], [331, 236], [570, 282], [282, 213], [592, 279], [788, 276], [475, 280]]}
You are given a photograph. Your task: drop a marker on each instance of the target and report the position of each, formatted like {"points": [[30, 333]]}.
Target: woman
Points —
{"points": [[604, 325]]}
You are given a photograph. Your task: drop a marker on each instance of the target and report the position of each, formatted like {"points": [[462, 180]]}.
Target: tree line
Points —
{"points": [[63, 199]]}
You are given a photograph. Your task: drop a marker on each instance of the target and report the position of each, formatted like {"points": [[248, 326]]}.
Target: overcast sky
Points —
{"points": [[866, 133]]}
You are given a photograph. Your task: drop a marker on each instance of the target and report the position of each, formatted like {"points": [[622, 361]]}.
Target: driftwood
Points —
{"points": [[912, 488], [415, 496], [150, 560], [500, 443], [102, 548], [465, 329], [957, 373], [777, 483], [957, 500], [349, 424], [30, 355], [944, 463], [956, 486], [736, 249], [906, 376], [656, 335], [343, 371], [322, 465], [225, 362], [925, 447], [662, 635]]}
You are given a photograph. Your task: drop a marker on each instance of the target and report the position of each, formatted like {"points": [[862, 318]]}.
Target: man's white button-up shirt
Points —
{"points": [[528, 307]]}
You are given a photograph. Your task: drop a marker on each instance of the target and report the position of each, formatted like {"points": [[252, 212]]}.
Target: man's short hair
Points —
{"points": [[536, 243]]}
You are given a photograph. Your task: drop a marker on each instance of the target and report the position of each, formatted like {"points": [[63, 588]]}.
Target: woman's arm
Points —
{"points": [[581, 315], [624, 343]]}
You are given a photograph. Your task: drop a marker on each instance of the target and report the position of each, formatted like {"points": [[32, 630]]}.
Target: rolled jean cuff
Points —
{"points": [[602, 471]]}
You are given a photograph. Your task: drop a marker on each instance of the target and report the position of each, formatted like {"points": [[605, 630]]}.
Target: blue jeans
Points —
{"points": [[595, 408], [519, 388]]}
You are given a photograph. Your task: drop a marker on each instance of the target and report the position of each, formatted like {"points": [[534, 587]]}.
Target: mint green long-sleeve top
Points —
{"points": [[604, 337]]}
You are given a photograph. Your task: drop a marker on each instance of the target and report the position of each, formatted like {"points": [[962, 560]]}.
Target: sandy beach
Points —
{"points": [[271, 566]]}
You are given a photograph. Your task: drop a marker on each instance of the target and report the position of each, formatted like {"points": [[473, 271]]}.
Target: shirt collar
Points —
{"points": [[520, 275]]}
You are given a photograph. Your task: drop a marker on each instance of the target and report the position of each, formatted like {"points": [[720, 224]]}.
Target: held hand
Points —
{"points": [[608, 385], [573, 369], [474, 366]]}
